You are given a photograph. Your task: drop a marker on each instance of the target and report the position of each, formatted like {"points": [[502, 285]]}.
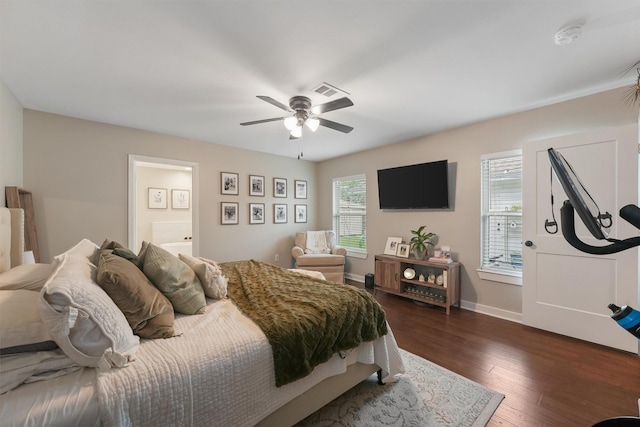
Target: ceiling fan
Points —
{"points": [[303, 114]]}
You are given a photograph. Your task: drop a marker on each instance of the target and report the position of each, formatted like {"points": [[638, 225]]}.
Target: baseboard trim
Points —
{"points": [[492, 311], [467, 305], [354, 277]]}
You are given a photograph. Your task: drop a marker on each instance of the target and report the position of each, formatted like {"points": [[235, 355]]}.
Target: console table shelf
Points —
{"points": [[390, 277]]}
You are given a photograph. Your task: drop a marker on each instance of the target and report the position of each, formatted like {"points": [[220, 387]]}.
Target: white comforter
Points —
{"points": [[218, 373]]}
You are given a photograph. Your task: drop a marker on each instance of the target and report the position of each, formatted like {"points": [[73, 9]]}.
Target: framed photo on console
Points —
{"points": [[403, 250], [391, 247]]}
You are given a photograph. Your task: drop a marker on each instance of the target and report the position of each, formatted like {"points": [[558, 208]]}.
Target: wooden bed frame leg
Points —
{"points": [[380, 377]]}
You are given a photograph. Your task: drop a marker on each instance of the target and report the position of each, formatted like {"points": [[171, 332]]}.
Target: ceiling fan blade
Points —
{"points": [[275, 119], [293, 137], [331, 105], [335, 126], [276, 103]]}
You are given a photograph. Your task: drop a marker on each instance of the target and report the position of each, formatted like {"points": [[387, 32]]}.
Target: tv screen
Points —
{"points": [[421, 186]]}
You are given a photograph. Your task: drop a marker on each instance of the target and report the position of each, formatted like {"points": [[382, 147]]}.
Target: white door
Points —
{"points": [[564, 290]]}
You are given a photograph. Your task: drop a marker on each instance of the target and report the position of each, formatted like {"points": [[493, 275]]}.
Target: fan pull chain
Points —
{"points": [[300, 152]]}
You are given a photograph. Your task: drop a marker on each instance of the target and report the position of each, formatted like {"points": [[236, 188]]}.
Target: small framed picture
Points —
{"points": [[229, 212], [301, 213], [157, 198], [279, 187], [279, 213], [403, 250], [392, 245], [301, 189], [256, 213], [228, 183], [180, 199], [256, 185]]}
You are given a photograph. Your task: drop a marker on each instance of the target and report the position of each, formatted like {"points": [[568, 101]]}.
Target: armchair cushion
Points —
{"points": [[301, 248], [330, 263]]}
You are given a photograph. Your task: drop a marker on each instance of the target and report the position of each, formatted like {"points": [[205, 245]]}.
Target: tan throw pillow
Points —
{"points": [[211, 278], [149, 313], [175, 279]]}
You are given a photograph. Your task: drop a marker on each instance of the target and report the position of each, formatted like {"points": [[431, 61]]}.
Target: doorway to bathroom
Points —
{"points": [[163, 204]]}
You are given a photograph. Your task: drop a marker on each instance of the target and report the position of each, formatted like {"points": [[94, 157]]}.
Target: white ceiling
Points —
{"points": [[412, 68]]}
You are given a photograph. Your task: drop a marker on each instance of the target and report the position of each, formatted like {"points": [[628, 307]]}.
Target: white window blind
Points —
{"points": [[350, 211], [502, 213]]}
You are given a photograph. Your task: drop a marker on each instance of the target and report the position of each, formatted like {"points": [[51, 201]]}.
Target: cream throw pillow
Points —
{"points": [[210, 275]]}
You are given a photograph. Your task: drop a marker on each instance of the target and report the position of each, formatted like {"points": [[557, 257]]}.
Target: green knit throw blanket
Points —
{"points": [[306, 320]]}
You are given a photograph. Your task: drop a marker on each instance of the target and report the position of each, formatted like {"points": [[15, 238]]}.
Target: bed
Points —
{"points": [[218, 368]]}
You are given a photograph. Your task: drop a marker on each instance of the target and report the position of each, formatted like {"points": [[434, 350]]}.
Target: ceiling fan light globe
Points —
{"points": [[296, 132], [291, 123], [313, 124]]}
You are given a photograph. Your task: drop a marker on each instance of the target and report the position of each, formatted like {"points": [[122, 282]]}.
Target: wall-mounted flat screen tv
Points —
{"points": [[420, 186]]}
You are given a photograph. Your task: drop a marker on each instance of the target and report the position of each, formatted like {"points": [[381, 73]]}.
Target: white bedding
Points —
{"points": [[219, 372]]}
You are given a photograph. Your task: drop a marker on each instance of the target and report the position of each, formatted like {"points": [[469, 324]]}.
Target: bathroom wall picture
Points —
{"points": [[157, 198], [228, 183], [180, 199]]}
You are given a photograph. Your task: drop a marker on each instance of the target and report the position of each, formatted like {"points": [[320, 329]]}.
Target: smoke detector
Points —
{"points": [[568, 34]]}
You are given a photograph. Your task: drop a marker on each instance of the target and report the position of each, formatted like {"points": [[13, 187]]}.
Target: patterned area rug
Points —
{"points": [[426, 395]]}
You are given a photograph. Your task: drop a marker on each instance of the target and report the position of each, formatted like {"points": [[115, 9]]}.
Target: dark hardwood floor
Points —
{"points": [[548, 379]]}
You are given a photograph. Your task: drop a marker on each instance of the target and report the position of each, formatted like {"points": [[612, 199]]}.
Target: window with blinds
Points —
{"points": [[502, 213], [350, 212]]}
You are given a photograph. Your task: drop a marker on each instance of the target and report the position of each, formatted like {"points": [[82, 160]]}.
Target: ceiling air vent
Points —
{"points": [[328, 90]]}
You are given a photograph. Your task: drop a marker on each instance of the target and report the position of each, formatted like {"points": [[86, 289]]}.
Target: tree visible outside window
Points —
{"points": [[350, 212]]}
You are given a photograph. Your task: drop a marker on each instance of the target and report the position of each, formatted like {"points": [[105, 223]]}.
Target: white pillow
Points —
{"points": [[82, 319], [210, 275], [26, 276], [20, 323]]}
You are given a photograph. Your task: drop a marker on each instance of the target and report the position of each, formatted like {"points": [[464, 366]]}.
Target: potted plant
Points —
{"points": [[420, 242]]}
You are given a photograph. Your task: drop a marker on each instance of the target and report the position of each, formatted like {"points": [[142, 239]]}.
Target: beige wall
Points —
{"points": [[77, 172], [459, 227], [10, 141]]}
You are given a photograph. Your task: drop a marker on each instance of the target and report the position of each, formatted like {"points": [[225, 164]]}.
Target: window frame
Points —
{"points": [[335, 214], [486, 272]]}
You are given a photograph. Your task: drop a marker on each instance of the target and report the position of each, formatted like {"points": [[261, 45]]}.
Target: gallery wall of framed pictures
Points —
{"points": [[231, 211]]}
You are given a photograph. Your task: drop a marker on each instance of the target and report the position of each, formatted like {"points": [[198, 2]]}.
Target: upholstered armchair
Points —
{"points": [[318, 251]]}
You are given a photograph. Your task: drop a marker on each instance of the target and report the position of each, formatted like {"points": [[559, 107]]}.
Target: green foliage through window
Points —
{"points": [[350, 211]]}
